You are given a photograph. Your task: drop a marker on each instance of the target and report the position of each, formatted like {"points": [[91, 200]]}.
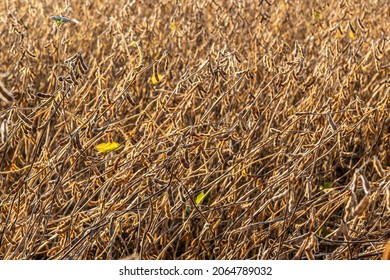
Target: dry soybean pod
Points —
{"points": [[175, 146], [5, 94], [83, 64], [378, 167], [3, 131]]}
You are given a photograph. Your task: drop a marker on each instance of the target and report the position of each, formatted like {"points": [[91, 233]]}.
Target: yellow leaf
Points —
{"points": [[244, 173], [200, 197], [339, 34], [173, 25], [292, 111], [108, 147], [351, 34], [156, 78], [133, 44]]}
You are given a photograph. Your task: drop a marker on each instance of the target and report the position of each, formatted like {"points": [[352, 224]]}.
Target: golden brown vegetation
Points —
{"points": [[233, 130]]}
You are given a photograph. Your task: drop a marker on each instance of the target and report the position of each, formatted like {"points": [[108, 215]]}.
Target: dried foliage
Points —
{"points": [[247, 129]]}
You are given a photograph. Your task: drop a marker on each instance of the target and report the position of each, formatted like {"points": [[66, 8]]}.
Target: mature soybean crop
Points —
{"points": [[194, 129]]}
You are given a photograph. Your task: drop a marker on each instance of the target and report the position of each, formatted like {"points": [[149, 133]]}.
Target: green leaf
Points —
{"points": [[316, 15], [326, 185], [323, 232], [200, 197], [59, 19]]}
